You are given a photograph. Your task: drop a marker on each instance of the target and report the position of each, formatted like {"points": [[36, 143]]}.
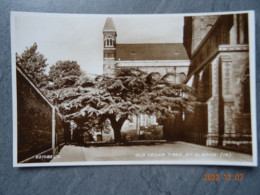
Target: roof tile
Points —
{"points": [[152, 51]]}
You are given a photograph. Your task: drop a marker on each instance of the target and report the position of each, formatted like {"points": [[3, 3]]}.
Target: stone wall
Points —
{"points": [[109, 66], [178, 73], [222, 86], [165, 70], [219, 73], [236, 121], [196, 29]]}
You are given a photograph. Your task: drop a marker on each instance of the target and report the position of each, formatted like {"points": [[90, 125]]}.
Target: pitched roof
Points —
{"points": [[109, 25], [152, 51]]}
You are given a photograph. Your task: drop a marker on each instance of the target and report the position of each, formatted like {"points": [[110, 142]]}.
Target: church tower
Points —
{"points": [[109, 44]]}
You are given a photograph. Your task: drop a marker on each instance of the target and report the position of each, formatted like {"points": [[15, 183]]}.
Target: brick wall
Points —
{"points": [[34, 120]]}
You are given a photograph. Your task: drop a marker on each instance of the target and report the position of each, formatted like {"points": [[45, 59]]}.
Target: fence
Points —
{"points": [[40, 128]]}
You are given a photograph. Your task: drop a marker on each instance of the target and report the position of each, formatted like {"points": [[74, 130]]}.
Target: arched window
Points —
{"points": [[180, 78], [169, 78], [109, 41]]}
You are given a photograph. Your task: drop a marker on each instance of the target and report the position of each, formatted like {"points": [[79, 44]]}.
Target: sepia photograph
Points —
{"points": [[172, 89]]}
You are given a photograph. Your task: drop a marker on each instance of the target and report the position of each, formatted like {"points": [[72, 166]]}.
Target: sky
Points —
{"points": [[79, 37]]}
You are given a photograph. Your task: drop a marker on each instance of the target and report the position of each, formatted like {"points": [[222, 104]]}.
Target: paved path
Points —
{"points": [[175, 151]]}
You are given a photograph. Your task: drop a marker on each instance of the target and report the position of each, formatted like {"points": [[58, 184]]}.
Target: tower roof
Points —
{"points": [[109, 25]]}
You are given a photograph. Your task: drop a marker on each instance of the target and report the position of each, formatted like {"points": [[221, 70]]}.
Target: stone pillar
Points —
{"points": [[213, 107], [234, 31], [227, 99]]}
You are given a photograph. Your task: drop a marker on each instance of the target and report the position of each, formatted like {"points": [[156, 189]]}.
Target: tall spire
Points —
{"points": [[109, 25], [109, 41]]}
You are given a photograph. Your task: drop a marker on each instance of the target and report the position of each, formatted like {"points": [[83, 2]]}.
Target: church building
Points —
{"points": [[149, 57], [162, 58]]}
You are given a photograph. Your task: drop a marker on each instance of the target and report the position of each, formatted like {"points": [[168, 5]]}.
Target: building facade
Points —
{"points": [[219, 72]]}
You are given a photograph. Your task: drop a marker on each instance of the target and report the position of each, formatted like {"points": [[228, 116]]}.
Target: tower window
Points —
{"points": [[109, 41]]}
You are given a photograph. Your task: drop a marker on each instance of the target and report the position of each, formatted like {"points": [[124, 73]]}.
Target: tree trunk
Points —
{"points": [[117, 135], [117, 125], [101, 135]]}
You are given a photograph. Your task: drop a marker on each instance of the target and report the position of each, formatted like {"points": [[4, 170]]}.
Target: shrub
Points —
{"points": [[153, 132]]}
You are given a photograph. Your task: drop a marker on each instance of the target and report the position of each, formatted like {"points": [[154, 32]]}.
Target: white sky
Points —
{"points": [[80, 37]]}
